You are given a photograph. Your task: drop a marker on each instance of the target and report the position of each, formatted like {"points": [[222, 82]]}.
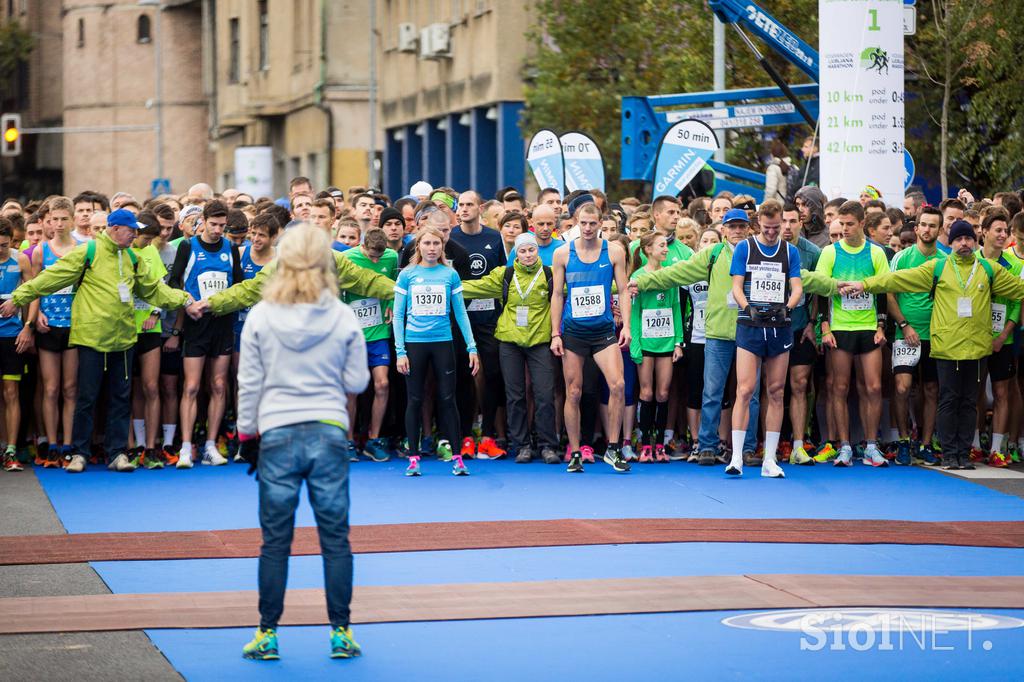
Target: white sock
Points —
{"points": [[210, 444], [797, 444], [669, 433], [186, 448], [997, 441], [169, 430], [139, 427], [894, 435], [977, 440], [737, 446], [771, 444]]}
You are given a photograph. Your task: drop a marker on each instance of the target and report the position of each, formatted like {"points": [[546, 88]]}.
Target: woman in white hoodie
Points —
{"points": [[302, 352]]}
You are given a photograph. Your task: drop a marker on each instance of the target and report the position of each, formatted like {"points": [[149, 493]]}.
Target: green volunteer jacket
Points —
{"points": [[954, 337], [720, 318], [99, 319], [351, 278], [537, 301]]}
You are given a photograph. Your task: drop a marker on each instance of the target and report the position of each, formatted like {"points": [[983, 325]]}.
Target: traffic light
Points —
{"points": [[10, 124]]}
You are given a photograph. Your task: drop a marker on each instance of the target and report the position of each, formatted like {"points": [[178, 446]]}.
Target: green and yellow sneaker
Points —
{"points": [[826, 454], [800, 456], [444, 450], [263, 646], [343, 644]]}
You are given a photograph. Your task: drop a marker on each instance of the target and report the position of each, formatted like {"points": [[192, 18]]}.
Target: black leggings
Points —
{"points": [[441, 356]]}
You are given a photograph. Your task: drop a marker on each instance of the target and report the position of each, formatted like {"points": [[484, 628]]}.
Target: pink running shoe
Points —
{"points": [[588, 453], [659, 453], [645, 454]]}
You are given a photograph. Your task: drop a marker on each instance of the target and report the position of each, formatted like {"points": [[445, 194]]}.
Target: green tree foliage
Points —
{"points": [[964, 80], [590, 54], [15, 45]]}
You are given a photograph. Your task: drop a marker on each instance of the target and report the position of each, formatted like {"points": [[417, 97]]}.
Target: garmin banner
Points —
{"points": [[861, 97], [544, 155], [584, 165], [684, 149]]}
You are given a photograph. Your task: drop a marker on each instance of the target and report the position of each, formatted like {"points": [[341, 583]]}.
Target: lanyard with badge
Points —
{"points": [[963, 303], [122, 286], [522, 311]]}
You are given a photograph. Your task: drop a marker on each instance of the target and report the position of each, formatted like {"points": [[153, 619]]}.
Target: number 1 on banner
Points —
{"points": [[874, 20]]}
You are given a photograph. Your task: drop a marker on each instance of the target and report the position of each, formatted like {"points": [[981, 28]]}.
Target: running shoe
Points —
{"points": [[353, 451], [659, 453], [76, 464], [263, 646], [40, 455], [575, 463], [735, 467], [525, 455], [706, 458], [771, 469], [588, 454], [459, 467], [184, 460], [122, 462], [426, 444], [629, 453], [169, 455], [343, 644], [151, 459], [694, 455], [1014, 453], [613, 458], [785, 450], [222, 446], [800, 456], [377, 450], [926, 455], [488, 449], [11, 462], [549, 456], [212, 456], [978, 455], [903, 453], [444, 450], [998, 459], [752, 459], [724, 454], [468, 447], [682, 453], [873, 457], [238, 459], [414, 466], [646, 454], [845, 457], [53, 458], [826, 453]]}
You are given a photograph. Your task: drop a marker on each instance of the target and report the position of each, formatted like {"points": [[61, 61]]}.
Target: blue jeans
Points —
{"points": [[719, 357], [315, 453]]}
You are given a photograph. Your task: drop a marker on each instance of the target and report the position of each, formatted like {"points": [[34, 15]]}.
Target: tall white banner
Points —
{"points": [[254, 171], [861, 97]]}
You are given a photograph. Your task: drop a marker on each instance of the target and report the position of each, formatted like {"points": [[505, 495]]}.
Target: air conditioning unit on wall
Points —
{"points": [[407, 37], [435, 41]]}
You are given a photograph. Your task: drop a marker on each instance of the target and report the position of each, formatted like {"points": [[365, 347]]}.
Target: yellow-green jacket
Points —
{"points": [[351, 277], [99, 319], [955, 337], [538, 303]]}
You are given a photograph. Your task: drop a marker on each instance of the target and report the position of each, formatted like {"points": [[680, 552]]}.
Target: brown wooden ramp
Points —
{"points": [[416, 537], [384, 604]]}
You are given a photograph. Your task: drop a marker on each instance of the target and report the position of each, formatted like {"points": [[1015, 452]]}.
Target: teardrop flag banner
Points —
{"points": [[584, 165], [684, 149], [544, 154]]}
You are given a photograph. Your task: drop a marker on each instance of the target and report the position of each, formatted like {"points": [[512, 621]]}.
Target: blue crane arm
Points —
{"points": [[755, 19]]}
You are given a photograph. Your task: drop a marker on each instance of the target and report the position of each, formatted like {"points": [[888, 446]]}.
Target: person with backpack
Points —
{"points": [[962, 287], [107, 277], [523, 331]]}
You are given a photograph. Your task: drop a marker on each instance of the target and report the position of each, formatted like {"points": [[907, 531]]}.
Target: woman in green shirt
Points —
{"points": [[656, 325]]}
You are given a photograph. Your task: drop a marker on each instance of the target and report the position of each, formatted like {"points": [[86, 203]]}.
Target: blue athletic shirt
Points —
{"points": [[943, 248], [423, 299], [588, 302], [10, 277], [56, 306], [768, 255], [546, 253], [249, 270], [208, 273]]}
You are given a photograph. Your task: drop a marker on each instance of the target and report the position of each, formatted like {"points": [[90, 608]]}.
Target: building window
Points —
{"points": [[81, 33], [264, 36], [142, 30], [235, 50]]}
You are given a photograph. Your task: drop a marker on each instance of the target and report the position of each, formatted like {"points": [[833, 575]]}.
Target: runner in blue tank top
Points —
{"points": [[15, 339], [582, 325], [58, 362]]}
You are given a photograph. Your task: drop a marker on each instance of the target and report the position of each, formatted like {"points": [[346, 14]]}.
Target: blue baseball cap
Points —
{"points": [[735, 215], [122, 217]]}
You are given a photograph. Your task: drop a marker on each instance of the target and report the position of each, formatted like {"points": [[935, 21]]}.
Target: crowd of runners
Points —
{"points": [[712, 331]]}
